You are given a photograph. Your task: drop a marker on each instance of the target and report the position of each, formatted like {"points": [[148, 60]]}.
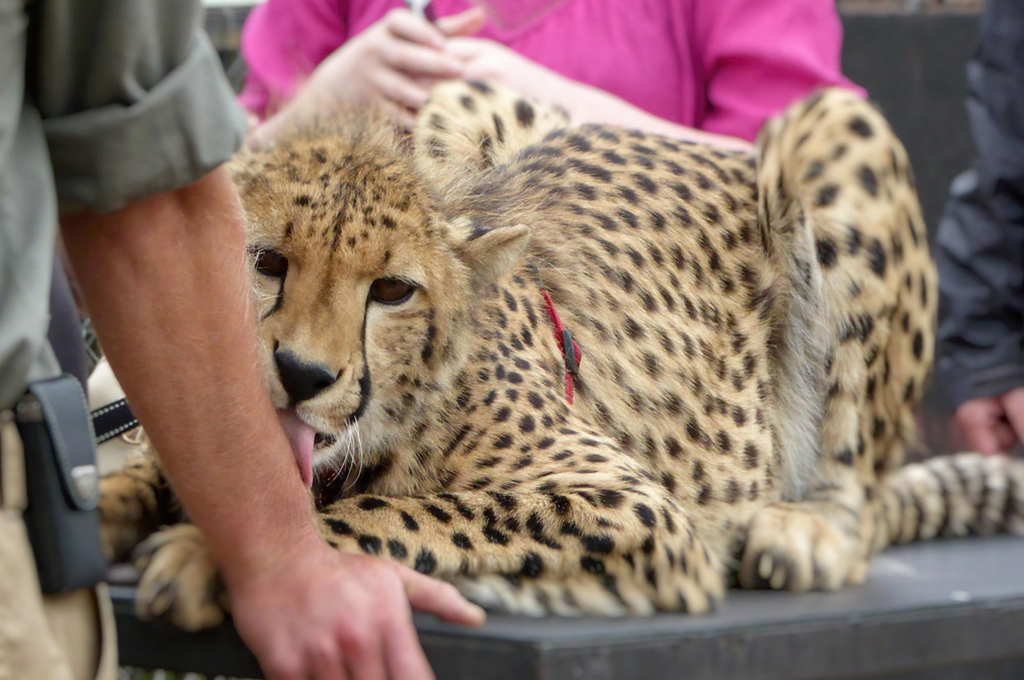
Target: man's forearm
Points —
{"points": [[166, 286]]}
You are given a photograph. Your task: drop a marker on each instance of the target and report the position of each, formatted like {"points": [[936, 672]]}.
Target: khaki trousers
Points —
{"points": [[54, 637]]}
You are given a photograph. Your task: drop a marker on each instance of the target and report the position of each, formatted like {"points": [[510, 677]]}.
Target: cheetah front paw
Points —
{"points": [[180, 580], [794, 547], [122, 516]]}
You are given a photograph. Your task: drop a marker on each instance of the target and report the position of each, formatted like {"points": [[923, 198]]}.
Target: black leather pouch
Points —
{"points": [[62, 481]]}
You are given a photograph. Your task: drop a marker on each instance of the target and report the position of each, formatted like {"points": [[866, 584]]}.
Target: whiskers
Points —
{"points": [[349, 457]]}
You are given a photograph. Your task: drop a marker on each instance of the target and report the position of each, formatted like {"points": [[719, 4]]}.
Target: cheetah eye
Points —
{"points": [[271, 263], [391, 291]]}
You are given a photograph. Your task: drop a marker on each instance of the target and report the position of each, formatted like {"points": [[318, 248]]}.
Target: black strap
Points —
{"points": [[112, 420]]}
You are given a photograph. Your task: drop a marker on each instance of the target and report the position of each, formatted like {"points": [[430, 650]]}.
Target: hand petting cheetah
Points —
{"points": [[754, 335]]}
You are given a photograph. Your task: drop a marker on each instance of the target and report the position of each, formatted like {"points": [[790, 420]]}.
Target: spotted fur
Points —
{"points": [[756, 332]]}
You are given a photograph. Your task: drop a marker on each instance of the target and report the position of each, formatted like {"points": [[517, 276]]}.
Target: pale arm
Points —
{"points": [[589, 104], [489, 61]]}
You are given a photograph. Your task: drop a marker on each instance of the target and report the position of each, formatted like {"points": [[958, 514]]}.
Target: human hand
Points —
{"points": [[391, 64], [312, 613], [993, 424]]}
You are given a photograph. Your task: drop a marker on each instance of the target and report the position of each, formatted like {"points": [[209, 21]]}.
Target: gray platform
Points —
{"points": [[949, 610]]}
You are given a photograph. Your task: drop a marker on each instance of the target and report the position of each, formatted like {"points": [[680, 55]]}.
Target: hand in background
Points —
{"points": [[391, 64], [315, 613], [993, 424]]}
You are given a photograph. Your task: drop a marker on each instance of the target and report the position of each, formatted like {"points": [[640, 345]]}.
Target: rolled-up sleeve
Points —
{"points": [[980, 241], [133, 99]]}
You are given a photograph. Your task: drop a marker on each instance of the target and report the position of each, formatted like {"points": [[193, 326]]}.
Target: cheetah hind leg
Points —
{"points": [[468, 127], [821, 539]]}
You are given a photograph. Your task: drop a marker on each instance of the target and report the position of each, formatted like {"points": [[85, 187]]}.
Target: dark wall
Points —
{"points": [[913, 66]]}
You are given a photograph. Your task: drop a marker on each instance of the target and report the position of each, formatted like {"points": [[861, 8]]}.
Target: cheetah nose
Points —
{"points": [[301, 380]]}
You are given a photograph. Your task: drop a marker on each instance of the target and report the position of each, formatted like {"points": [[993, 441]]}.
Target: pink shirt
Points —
{"points": [[719, 65]]}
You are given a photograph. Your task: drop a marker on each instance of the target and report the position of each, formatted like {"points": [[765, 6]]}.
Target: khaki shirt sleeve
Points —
{"points": [[133, 98]]}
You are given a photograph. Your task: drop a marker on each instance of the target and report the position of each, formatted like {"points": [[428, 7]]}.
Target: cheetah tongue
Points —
{"points": [[300, 436]]}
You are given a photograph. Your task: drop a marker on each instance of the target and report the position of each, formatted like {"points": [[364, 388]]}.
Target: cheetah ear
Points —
{"points": [[489, 252]]}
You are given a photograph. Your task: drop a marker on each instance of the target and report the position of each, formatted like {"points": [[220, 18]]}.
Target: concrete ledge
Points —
{"points": [[931, 611]]}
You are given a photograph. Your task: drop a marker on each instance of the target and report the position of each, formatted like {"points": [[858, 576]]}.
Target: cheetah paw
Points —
{"points": [[180, 580], [790, 547], [121, 515]]}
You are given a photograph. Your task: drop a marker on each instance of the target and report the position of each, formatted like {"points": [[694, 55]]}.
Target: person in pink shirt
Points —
{"points": [[705, 70]]}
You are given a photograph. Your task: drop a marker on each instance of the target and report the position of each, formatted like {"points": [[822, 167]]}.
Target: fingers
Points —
{"points": [[1013, 406], [408, 50], [404, 654], [440, 599], [364, 654], [468, 48], [405, 25], [419, 61], [326, 661], [977, 419], [400, 90], [462, 24], [982, 439], [278, 658], [993, 424]]}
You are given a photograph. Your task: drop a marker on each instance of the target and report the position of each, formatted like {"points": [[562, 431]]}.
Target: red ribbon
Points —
{"points": [[562, 335]]}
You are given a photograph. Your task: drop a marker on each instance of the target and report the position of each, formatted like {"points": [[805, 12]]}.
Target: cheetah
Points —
{"points": [[582, 370]]}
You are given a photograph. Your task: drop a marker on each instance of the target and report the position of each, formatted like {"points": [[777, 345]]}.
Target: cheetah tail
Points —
{"points": [[947, 496], [468, 127], [803, 214]]}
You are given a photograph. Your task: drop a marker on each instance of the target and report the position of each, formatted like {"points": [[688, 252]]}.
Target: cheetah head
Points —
{"points": [[363, 291]]}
